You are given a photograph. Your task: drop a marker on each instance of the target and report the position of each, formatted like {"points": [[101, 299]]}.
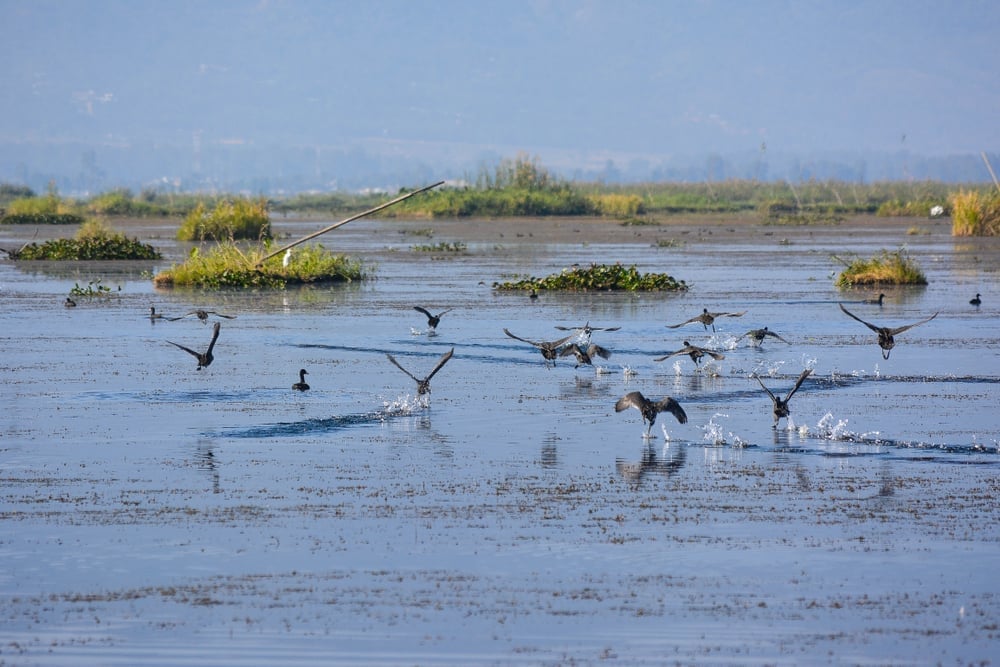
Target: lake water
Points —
{"points": [[158, 514]]}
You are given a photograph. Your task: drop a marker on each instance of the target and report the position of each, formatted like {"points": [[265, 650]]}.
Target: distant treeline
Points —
{"points": [[522, 187]]}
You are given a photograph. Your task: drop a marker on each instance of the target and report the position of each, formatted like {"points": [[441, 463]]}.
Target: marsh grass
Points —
{"points": [[225, 266], [443, 246], [597, 277], [93, 241], [975, 213], [886, 268], [230, 219]]}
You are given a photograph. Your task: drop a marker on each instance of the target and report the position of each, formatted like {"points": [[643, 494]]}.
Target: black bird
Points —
{"points": [[550, 350], [877, 302], [202, 315], [584, 356], [696, 353], [533, 295], [886, 335], [586, 329], [758, 336], [976, 301], [69, 303], [781, 404], [649, 409], [301, 384], [153, 315], [204, 358], [706, 318], [424, 386], [432, 320]]}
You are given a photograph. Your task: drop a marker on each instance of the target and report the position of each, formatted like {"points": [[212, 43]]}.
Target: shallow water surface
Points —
{"points": [[158, 514]]}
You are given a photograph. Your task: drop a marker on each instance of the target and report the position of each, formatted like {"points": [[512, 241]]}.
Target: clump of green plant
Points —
{"points": [[897, 208], [443, 246], [227, 266], [94, 288], [975, 213], [617, 205], [886, 268], [94, 241], [231, 219], [598, 277], [47, 210]]}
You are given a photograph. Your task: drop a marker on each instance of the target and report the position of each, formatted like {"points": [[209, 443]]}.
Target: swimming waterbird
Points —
{"points": [[424, 385], [204, 358], [886, 335], [301, 384], [976, 301], [877, 302]]}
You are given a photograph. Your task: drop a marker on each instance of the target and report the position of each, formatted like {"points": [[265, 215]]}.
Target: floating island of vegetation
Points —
{"points": [[94, 241], [599, 278], [226, 266], [887, 268]]}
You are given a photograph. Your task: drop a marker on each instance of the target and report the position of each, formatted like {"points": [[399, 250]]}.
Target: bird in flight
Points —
{"points": [[202, 315], [549, 350], [204, 358], [696, 353], [706, 318], [757, 336], [886, 335], [432, 320], [424, 385], [585, 355], [781, 404], [649, 409]]}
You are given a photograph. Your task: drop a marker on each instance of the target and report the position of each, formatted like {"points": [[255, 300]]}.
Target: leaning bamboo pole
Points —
{"points": [[990, 168], [347, 220]]}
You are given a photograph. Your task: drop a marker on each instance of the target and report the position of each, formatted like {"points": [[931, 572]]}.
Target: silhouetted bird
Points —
{"points": [[432, 320], [301, 384], [424, 386], [696, 353], [204, 358], [533, 295], [549, 350], [886, 335], [877, 302], [757, 336], [649, 409], [781, 404], [153, 315], [202, 315], [706, 318], [69, 303], [586, 329], [976, 301], [584, 356]]}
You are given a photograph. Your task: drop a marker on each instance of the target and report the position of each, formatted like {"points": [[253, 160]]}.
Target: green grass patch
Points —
{"points": [[94, 241], [226, 266], [229, 220], [886, 268], [598, 277]]}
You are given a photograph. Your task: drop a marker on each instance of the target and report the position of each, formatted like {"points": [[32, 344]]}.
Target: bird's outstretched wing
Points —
{"points": [[633, 399], [693, 319], [769, 393], [397, 365], [899, 330], [196, 355], [867, 324], [668, 404], [798, 383], [601, 352], [441, 362]]}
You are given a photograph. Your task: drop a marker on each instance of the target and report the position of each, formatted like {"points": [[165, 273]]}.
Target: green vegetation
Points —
{"points": [[598, 277], [47, 210], [975, 213], [94, 288], [226, 266], [94, 241], [887, 268], [229, 220]]}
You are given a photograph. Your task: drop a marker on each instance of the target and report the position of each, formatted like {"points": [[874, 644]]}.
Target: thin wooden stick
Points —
{"points": [[990, 168], [350, 219]]}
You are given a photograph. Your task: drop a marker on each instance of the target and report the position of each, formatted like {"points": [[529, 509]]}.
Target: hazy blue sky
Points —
{"points": [[643, 78]]}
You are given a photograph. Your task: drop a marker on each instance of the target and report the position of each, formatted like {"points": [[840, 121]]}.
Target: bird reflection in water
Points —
{"points": [[667, 462], [204, 456]]}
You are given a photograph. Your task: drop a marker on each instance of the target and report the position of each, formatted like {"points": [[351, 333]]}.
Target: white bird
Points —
{"points": [[286, 259]]}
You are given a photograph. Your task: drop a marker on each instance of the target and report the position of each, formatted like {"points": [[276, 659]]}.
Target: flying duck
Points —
{"points": [[202, 315], [549, 350], [781, 404], [204, 358], [424, 385], [886, 335], [706, 318], [757, 336], [649, 409], [696, 353], [584, 356], [432, 320]]}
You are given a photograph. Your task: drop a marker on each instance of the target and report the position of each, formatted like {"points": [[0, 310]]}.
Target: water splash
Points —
{"points": [[713, 432]]}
